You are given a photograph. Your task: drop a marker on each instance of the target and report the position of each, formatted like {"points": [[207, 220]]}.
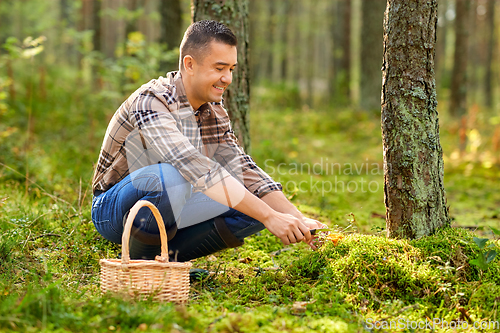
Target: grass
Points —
{"points": [[330, 163]]}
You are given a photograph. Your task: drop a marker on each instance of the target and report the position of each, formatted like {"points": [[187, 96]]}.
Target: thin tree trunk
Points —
{"points": [[171, 24], [340, 80], [413, 163], [440, 60], [96, 25], [371, 53], [458, 96], [96, 41], [277, 47], [473, 53], [285, 38], [131, 25], [310, 53], [489, 55], [234, 14]]}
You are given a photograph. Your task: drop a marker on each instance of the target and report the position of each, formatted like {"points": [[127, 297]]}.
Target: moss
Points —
{"points": [[363, 269], [486, 297]]}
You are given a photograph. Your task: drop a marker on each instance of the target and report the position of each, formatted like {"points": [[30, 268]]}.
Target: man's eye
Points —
{"points": [[220, 69]]}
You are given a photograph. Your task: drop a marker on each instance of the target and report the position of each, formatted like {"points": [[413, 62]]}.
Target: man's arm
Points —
{"points": [[286, 227], [277, 201]]}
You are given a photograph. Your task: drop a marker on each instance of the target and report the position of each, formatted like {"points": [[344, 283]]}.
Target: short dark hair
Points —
{"points": [[200, 34]]}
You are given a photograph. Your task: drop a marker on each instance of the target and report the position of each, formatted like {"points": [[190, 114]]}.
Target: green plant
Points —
{"points": [[486, 253]]}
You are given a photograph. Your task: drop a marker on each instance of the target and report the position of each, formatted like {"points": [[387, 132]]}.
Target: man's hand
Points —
{"points": [[277, 201], [288, 228], [313, 224]]}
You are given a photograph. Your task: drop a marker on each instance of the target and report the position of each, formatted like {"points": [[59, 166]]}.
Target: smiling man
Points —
{"points": [[171, 143]]}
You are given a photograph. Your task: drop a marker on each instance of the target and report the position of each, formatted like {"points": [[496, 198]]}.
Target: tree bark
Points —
{"points": [[171, 24], [415, 198], [371, 53], [234, 14], [489, 53], [458, 94]]}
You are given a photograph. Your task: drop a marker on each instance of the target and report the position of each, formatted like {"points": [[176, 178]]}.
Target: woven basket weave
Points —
{"points": [[160, 279]]}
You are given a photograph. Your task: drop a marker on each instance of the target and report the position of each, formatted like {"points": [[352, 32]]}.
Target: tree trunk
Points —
{"points": [[171, 24], [440, 59], [309, 63], [413, 163], [473, 53], [234, 14], [97, 44], [371, 53], [340, 80], [132, 23], [96, 24], [458, 96], [489, 55]]}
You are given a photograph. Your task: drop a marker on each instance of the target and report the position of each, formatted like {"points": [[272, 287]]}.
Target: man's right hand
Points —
{"points": [[287, 228]]}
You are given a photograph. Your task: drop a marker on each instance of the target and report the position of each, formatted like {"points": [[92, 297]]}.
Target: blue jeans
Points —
{"points": [[164, 187]]}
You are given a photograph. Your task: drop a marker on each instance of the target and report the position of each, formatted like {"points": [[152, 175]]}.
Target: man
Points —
{"points": [[171, 143]]}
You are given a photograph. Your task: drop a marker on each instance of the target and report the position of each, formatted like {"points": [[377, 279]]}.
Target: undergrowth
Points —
{"points": [[50, 250]]}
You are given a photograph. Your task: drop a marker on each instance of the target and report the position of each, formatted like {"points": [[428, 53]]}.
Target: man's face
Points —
{"points": [[213, 73]]}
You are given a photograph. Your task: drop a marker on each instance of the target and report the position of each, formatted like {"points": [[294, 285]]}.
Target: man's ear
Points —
{"points": [[188, 63]]}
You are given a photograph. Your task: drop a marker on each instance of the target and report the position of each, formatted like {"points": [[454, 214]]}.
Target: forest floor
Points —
{"points": [[330, 164]]}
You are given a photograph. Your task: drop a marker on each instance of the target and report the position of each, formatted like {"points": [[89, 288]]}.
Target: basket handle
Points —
{"points": [[128, 227]]}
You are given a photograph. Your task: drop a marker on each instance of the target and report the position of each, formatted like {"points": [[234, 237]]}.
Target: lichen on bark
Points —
{"points": [[415, 198]]}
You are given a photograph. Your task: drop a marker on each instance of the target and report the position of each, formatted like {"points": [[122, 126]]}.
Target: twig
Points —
{"points": [[370, 290], [43, 235]]}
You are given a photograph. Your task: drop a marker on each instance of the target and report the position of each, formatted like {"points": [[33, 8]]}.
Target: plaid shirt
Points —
{"points": [[156, 124]]}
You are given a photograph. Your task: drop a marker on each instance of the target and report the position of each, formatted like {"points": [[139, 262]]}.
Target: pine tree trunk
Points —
{"points": [[458, 97], [234, 14], [371, 53], [440, 60], [413, 163], [171, 24], [489, 55], [96, 25], [96, 41], [340, 80]]}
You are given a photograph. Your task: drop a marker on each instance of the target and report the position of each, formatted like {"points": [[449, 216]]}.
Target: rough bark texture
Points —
{"points": [[458, 98], [371, 53], [234, 14], [171, 25], [413, 165]]}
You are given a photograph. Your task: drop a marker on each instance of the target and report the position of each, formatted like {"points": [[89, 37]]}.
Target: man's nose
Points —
{"points": [[227, 78]]}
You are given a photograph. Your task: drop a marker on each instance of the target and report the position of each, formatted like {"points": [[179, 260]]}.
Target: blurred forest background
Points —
{"points": [[315, 68]]}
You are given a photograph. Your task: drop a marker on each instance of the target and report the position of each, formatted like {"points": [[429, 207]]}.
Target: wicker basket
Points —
{"points": [[160, 279]]}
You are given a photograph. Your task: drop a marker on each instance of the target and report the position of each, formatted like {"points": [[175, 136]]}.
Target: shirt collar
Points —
{"points": [[175, 78]]}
